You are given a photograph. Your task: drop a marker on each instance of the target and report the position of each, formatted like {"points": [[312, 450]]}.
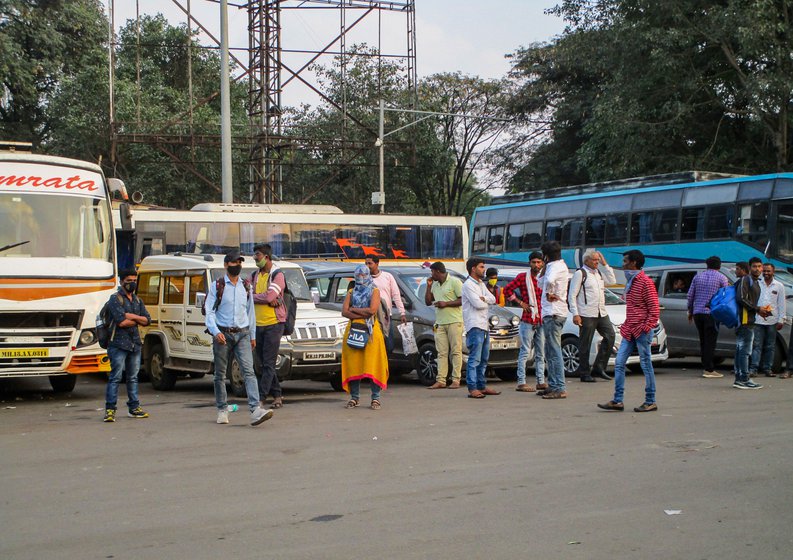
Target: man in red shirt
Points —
{"points": [[641, 317]]}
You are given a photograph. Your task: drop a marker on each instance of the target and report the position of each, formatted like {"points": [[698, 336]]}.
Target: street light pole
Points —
{"points": [[380, 139], [225, 107]]}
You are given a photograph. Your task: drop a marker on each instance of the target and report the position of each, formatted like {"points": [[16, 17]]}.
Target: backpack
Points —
{"points": [[220, 285], [583, 284], [104, 331], [724, 306], [290, 303]]}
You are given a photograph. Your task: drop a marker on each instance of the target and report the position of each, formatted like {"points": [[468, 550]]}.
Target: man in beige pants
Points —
{"points": [[444, 292]]}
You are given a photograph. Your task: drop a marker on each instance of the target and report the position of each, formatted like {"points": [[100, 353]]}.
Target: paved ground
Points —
{"points": [[431, 475]]}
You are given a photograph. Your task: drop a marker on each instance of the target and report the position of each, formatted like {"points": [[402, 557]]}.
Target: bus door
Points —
{"points": [[172, 309], [149, 243]]}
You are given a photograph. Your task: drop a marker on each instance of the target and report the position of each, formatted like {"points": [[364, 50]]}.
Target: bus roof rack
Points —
{"points": [[268, 208], [203, 256], [617, 185], [10, 146]]}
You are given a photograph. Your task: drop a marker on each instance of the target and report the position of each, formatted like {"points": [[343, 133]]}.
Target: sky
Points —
{"points": [[469, 36]]}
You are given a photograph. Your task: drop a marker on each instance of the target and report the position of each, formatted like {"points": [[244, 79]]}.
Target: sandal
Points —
{"points": [[376, 404], [278, 402], [352, 403]]}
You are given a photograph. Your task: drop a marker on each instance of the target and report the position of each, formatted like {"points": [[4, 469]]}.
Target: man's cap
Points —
{"points": [[233, 256]]}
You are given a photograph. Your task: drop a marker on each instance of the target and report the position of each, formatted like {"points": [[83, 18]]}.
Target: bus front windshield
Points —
{"points": [[50, 225]]}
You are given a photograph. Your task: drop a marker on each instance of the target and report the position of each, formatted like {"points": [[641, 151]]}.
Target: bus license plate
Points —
{"points": [[24, 352], [503, 345], [316, 356]]}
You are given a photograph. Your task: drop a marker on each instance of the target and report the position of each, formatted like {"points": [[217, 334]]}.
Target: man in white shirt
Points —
{"points": [[477, 300], [389, 295], [587, 300], [772, 293], [554, 315]]}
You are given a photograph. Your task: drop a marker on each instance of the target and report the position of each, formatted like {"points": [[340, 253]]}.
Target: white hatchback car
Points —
{"points": [[616, 310]]}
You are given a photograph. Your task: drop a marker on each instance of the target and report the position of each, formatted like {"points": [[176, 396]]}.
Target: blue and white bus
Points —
{"points": [[672, 219]]}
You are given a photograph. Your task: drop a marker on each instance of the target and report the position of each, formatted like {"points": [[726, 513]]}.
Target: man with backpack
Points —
{"points": [[125, 311], [229, 319], [587, 301], [747, 294], [703, 287], [269, 285]]}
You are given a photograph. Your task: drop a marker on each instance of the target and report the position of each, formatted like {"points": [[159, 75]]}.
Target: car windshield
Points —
{"points": [[294, 280], [417, 283]]}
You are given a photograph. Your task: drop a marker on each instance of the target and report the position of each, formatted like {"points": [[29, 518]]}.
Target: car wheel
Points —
{"points": [[236, 378], [162, 378], [428, 365], [63, 383], [335, 382], [570, 355]]}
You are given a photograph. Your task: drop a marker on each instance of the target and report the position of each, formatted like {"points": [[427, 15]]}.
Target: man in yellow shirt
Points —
{"points": [[268, 289]]}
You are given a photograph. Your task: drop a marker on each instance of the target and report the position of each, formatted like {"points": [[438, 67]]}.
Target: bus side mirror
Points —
{"points": [[200, 298]]}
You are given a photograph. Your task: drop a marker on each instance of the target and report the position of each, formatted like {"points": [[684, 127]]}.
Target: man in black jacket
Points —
{"points": [[747, 296]]}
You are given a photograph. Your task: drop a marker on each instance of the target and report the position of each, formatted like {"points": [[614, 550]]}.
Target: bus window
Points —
{"points": [[753, 224], [692, 224], [553, 230], [442, 242], [359, 242], [495, 239], [480, 237], [784, 230], [214, 238], [595, 231], [617, 229], [524, 237], [719, 222], [654, 227], [174, 235], [278, 236], [404, 242], [149, 288], [573, 232], [315, 241]]}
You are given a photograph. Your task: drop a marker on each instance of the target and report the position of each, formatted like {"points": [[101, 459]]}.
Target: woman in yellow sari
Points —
{"points": [[371, 361]]}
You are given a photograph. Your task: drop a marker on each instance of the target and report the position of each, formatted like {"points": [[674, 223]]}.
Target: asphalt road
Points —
{"points": [[431, 475]]}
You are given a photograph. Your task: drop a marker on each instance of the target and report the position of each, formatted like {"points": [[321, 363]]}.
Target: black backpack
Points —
{"points": [[290, 303], [105, 326]]}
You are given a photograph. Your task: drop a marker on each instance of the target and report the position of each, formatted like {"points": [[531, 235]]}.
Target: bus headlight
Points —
{"points": [[87, 338]]}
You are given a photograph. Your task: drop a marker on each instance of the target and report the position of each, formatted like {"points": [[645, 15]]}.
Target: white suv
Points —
{"points": [[176, 343]]}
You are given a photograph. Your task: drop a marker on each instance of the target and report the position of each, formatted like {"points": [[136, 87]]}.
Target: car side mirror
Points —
{"points": [[200, 298]]}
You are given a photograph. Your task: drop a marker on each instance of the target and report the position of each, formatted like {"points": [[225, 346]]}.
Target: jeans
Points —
{"points": [[531, 336], [763, 348], [449, 341], [268, 342], [708, 336], [355, 390], [642, 343], [605, 329], [239, 344], [744, 335], [552, 327], [478, 343], [122, 361]]}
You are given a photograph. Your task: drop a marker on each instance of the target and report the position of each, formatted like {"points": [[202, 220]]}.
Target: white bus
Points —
{"points": [[296, 232], [57, 266]]}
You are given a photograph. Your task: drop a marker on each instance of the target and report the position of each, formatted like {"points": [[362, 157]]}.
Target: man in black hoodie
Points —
{"points": [[747, 295]]}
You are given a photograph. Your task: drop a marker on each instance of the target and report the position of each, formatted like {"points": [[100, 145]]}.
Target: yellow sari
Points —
{"points": [[370, 362]]}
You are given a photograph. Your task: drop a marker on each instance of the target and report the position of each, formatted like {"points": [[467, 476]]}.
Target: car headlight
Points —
{"points": [[87, 337], [494, 320], [515, 321]]}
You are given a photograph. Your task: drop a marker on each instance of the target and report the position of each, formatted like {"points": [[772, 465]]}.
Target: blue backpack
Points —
{"points": [[724, 306]]}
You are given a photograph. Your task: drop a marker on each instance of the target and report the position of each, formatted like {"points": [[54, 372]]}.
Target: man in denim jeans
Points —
{"points": [[476, 303], [641, 316], [747, 295], [127, 312], [554, 314], [230, 320], [772, 294]]}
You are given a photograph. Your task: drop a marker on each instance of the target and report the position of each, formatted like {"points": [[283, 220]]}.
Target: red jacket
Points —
{"points": [[643, 311]]}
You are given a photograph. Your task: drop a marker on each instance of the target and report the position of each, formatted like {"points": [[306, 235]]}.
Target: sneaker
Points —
{"points": [[223, 417], [646, 407], [110, 415], [740, 385], [712, 374], [752, 385], [260, 415], [137, 413]]}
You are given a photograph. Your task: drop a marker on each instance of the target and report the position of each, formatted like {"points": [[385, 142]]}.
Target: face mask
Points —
{"points": [[130, 286], [261, 263], [235, 269], [492, 281]]}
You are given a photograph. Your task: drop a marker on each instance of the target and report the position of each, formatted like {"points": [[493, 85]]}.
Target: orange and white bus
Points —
{"points": [[296, 232], [57, 266]]}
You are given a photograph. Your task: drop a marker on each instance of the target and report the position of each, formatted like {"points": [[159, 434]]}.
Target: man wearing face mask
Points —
{"points": [[230, 318], [268, 292], [127, 313]]}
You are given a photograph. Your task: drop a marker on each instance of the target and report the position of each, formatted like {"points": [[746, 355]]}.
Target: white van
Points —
{"points": [[176, 343]]}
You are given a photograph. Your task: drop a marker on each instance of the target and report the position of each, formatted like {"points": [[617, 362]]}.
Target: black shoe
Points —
{"points": [[587, 379], [602, 375]]}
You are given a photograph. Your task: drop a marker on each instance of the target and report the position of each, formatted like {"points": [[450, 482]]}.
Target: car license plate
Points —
{"points": [[316, 356], [24, 352], [503, 345]]}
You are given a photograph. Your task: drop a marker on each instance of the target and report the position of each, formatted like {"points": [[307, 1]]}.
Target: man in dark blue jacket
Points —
{"points": [[127, 312]]}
